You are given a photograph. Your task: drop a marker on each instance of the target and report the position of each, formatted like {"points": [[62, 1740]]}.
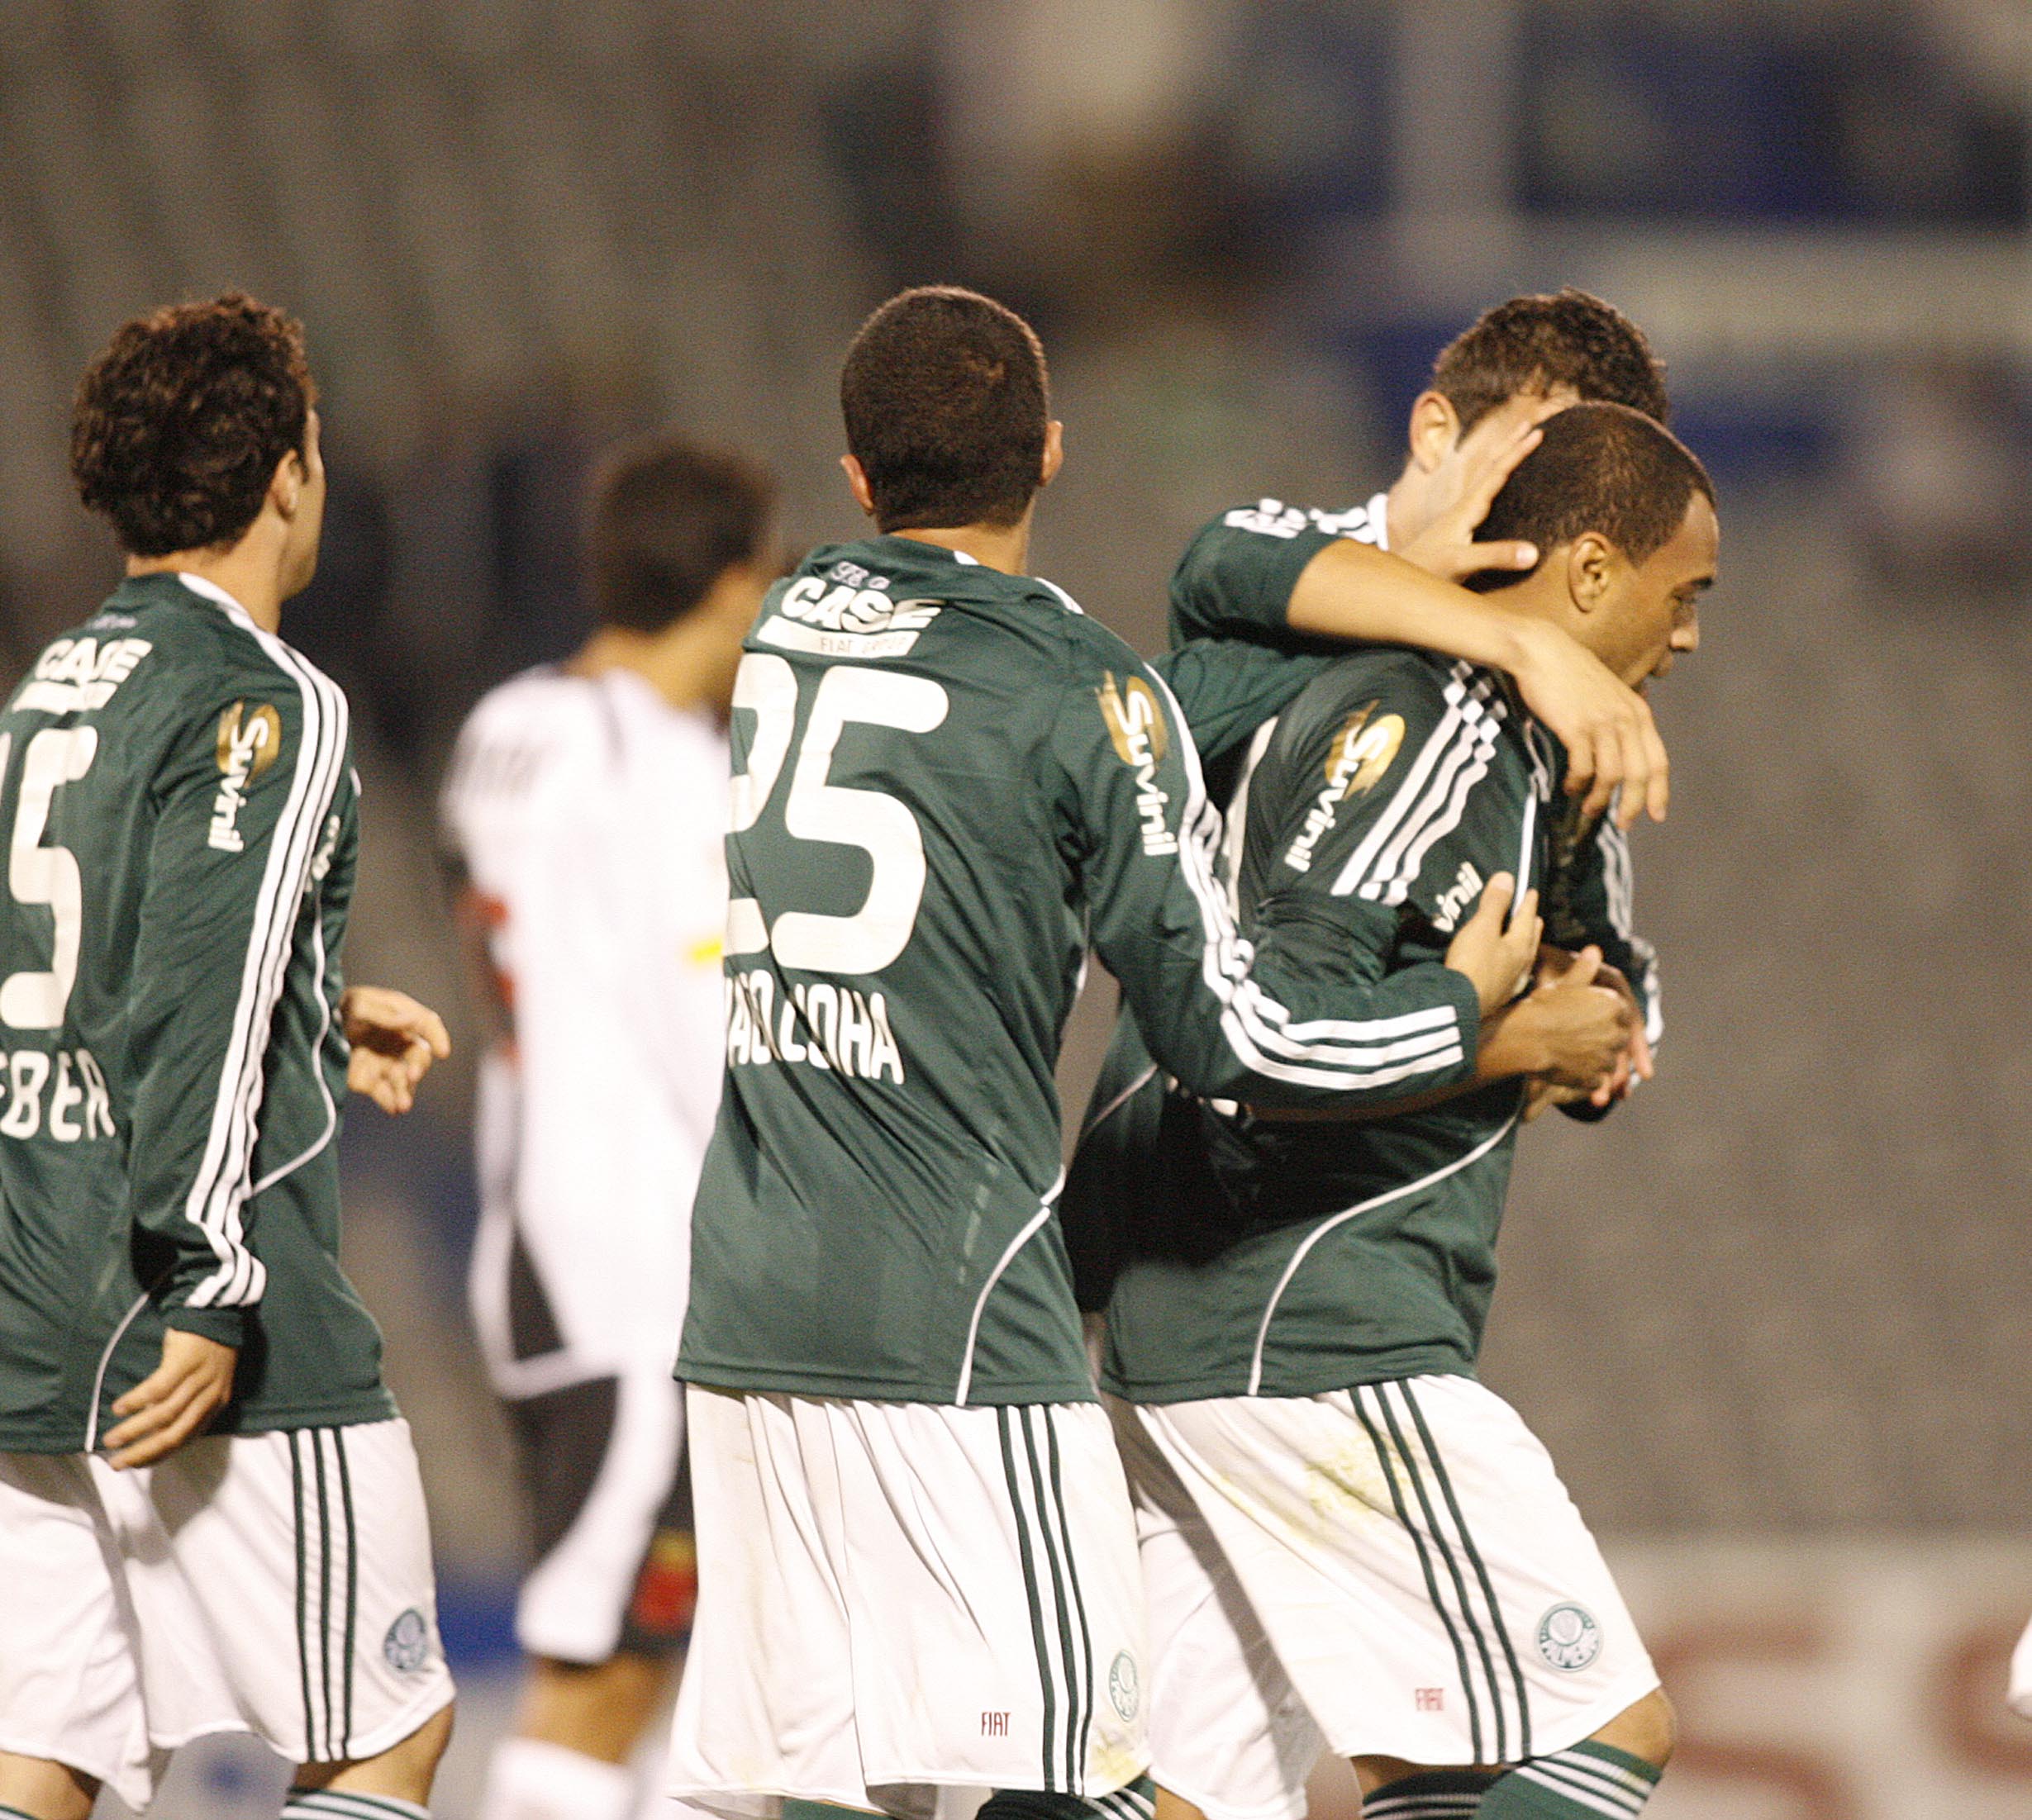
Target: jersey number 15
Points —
{"points": [[45, 875]]}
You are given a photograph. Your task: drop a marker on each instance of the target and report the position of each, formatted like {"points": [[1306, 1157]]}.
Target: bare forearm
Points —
{"points": [[1354, 590]]}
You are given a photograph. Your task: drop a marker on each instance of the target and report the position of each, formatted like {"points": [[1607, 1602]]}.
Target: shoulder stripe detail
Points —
{"points": [[1065, 600], [1364, 1054], [218, 1194], [1392, 869], [1438, 744], [980, 1303], [1347, 1213]]}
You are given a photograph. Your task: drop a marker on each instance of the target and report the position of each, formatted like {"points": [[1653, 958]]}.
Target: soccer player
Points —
{"points": [[182, 818], [1346, 1538], [586, 809], [1280, 578], [917, 1563], [1277, 572]]}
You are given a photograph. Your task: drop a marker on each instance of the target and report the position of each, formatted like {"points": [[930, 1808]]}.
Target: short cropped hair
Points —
{"points": [[945, 398], [664, 520], [1600, 468], [179, 424], [1532, 344]]}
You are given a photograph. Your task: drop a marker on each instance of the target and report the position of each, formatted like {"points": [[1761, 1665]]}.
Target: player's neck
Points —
{"points": [[672, 662], [1006, 548], [249, 572]]}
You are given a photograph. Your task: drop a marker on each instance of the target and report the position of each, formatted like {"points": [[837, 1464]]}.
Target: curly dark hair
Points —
{"points": [[179, 424], [666, 518], [1534, 343], [946, 399], [1601, 468]]}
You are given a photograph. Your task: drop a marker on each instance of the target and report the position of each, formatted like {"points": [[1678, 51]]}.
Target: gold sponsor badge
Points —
{"points": [[1133, 718], [1363, 748], [249, 740]]}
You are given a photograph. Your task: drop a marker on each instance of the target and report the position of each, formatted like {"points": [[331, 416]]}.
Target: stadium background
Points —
{"points": [[1774, 1320]]}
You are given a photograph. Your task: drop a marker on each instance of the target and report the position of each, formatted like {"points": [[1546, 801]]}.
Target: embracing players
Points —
{"points": [[1346, 1540]]}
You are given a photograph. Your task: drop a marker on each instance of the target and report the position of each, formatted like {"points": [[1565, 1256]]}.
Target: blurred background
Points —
{"points": [[1775, 1318]]}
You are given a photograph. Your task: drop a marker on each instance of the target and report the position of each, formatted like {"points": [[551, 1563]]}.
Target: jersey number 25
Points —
{"points": [[817, 810]]}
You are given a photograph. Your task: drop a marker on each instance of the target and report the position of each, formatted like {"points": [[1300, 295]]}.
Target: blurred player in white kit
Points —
{"points": [[583, 816]]}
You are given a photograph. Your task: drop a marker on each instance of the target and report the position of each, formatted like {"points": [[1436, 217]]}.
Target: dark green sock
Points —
{"points": [[1432, 1794], [1588, 1782], [795, 1809], [1136, 1802]]}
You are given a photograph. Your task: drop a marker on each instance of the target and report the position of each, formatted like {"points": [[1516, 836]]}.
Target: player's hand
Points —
{"points": [[395, 1040], [1465, 483], [1578, 1027], [174, 1402], [1497, 946], [1611, 739], [1636, 1063]]}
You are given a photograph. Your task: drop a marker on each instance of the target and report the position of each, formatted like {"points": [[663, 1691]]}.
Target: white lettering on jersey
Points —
{"points": [[1137, 730], [1361, 753], [1274, 518], [76, 674], [78, 1084], [248, 745], [843, 620], [1466, 888], [843, 1030]]}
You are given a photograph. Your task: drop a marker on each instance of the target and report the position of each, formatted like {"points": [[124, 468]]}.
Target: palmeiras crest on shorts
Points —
{"points": [[1569, 1638], [1124, 1688], [407, 1645]]}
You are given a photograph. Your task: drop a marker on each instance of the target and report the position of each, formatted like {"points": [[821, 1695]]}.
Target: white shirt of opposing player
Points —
{"points": [[590, 816]]}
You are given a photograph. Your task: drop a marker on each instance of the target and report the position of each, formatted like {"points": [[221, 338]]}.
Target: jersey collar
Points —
{"points": [[216, 595]]}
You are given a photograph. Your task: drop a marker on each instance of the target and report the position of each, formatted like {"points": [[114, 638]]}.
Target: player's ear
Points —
{"points": [[857, 481], [1591, 565], [285, 486], [1434, 428], [1054, 452]]}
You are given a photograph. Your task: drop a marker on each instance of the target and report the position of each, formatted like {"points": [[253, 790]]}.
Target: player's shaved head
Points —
{"points": [[1538, 343], [180, 422], [1600, 468], [946, 402]]}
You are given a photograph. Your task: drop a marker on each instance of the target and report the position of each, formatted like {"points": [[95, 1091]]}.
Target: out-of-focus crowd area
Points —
{"points": [[1775, 1319]]}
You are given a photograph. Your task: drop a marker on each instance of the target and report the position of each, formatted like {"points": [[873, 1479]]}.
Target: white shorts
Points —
{"points": [[898, 1597], [278, 1584], [1394, 1571], [2020, 1695]]}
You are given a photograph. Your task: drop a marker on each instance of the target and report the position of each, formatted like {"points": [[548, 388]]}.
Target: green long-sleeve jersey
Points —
{"points": [[949, 783], [1280, 1258], [182, 822]]}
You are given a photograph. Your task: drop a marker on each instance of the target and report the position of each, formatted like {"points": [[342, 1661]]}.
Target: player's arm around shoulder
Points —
{"points": [[1294, 1027]]}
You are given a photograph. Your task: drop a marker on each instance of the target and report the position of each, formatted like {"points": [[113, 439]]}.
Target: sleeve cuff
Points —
{"points": [[225, 1326]]}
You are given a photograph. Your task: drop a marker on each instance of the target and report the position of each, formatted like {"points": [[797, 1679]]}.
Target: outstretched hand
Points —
{"points": [[395, 1041], [174, 1402]]}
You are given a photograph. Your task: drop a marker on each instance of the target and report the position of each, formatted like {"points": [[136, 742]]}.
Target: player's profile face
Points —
{"points": [[307, 528], [1659, 617]]}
